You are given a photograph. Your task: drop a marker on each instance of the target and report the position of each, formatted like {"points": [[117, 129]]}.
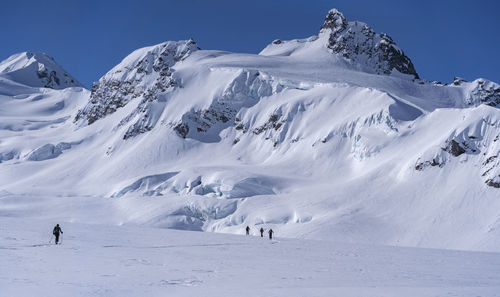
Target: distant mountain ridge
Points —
{"points": [[37, 70]]}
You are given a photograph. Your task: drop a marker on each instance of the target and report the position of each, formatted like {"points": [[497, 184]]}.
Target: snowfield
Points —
{"points": [[100, 260], [371, 177]]}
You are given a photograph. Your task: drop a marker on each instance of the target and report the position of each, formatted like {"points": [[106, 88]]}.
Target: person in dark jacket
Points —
{"points": [[57, 231], [261, 232], [248, 230], [270, 233]]}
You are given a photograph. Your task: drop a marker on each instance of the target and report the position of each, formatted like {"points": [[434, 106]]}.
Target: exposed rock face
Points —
{"points": [[484, 92], [145, 73], [493, 183], [357, 42], [335, 21], [455, 149]]}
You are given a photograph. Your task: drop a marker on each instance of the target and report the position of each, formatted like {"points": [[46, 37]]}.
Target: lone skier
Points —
{"points": [[248, 230], [57, 231], [261, 232], [270, 233]]}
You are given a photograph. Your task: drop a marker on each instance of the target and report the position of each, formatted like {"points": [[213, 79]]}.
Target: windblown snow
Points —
{"points": [[332, 137]]}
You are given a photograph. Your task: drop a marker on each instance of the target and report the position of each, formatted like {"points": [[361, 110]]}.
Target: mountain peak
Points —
{"points": [[335, 21], [36, 70], [355, 42], [145, 73]]}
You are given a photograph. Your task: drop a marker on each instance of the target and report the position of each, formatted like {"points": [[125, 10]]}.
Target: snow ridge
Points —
{"points": [[36, 70], [145, 73]]}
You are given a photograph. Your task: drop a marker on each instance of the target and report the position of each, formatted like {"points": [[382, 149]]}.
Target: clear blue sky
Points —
{"points": [[443, 38]]}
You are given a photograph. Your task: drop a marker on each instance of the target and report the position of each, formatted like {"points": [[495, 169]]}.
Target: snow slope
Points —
{"points": [[330, 137]]}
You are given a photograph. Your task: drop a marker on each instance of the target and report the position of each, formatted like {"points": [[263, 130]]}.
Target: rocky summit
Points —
{"points": [[357, 42]]}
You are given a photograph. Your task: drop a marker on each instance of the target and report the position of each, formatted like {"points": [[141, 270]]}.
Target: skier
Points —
{"points": [[248, 230], [271, 233], [57, 230], [261, 232]]}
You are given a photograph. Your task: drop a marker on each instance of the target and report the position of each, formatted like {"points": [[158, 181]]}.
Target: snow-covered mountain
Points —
{"points": [[354, 41], [36, 70], [331, 136]]}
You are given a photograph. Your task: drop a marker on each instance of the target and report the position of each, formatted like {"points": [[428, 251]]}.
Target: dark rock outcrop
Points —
{"points": [[357, 42], [492, 183], [455, 149]]}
